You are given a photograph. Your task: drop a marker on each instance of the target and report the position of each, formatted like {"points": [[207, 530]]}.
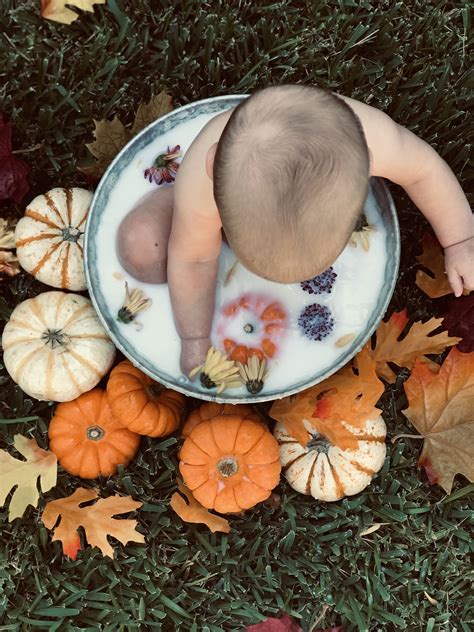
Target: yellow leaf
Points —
{"points": [[157, 106], [24, 475], [441, 407], [416, 343], [194, 512], [110, 137], [57, 11], [97, 520]]}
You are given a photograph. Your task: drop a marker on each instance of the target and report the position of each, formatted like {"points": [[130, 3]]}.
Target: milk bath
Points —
{"points": [[360, 275]]}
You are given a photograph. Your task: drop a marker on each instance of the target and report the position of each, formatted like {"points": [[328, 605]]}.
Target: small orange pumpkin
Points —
{"points": [[230, 463], [141, 404], [211, 409], [87, 439]]}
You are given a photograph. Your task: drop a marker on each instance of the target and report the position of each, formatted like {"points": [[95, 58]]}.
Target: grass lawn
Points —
{"points": [[306, 558]]}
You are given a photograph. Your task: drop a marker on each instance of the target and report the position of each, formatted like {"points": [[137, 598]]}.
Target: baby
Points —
{"points": [[284, 176]]}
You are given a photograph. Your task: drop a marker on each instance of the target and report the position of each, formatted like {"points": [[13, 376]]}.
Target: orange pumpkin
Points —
{"points": [[262, 321], [87, 439], [230, 463], [211, 409], [141, 404]]}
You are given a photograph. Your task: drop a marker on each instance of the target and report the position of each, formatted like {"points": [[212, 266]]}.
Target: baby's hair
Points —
{"points": [[291, 176]]}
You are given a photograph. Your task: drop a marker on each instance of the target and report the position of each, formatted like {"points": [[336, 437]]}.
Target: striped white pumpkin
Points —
{"points": [[323, 469], [55, 347], [49, 238]]}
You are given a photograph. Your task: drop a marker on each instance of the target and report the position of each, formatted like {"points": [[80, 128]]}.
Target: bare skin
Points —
{"points": [[195, 239]]}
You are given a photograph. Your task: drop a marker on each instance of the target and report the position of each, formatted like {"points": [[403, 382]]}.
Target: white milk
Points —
{"points": [[353, 298]]}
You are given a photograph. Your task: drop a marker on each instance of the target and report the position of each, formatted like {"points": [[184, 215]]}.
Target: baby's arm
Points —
{"points": [[400, 156], [193, 255]]}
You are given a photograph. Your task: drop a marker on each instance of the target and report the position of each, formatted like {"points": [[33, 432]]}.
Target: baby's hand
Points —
{"points": [[459, 264], [193, 353]]}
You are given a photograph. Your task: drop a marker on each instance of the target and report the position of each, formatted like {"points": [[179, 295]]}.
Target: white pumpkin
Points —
{"points": [[49, 237], [326, 471], [55, 347]]}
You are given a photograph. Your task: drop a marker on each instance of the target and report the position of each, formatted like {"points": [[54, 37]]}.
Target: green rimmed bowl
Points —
{"points": [[216, 105]]}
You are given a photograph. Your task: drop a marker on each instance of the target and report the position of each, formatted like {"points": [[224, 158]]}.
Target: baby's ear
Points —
{"points": [[211, 154]]}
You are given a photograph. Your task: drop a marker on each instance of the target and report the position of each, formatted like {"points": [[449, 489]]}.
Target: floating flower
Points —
{"points": [[321, 284], [361, 234], [316, 321], [219, 371], [135, 302], [164, 167], [253, 374]]}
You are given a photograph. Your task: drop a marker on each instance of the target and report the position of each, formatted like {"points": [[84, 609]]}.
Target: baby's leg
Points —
{"points": [[142, 238]]}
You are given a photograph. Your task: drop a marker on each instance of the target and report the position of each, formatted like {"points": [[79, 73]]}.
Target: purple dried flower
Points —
{"points": [[316, 321], [321, 284], [164, 167]]}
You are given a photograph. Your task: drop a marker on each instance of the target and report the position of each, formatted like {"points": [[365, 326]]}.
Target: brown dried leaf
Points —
{"points": [[157, 106], [432, 258], [97, 520], [405, 352], [9, 263], [7, 235], [110, 137], [194, 512], [57, 11], [441, 407]]}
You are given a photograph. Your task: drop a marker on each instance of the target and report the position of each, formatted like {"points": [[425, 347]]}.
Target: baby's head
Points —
{"points": [[290, 175]]}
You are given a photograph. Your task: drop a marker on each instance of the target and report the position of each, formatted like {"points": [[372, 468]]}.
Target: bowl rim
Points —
{"points": [[377, 184]]}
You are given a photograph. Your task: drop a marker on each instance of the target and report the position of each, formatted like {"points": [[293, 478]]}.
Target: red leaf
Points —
{"points": [[72, 547], [430, 471], [285, 624], [13, 171], [459, 321]]}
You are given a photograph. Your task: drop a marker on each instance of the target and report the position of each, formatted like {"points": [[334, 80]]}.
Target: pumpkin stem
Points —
{"points": [[95, 433], [227, 466], [153, 390], [319, 443], [71, 234], [55, 338]]}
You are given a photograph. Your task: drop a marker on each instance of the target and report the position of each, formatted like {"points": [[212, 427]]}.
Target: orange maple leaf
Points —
{"points": [[414, 345], [347, 398], [193, 511], [432, 258], [97, 520], [441, 407]]}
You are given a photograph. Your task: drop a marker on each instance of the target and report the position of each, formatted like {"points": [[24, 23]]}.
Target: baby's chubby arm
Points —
{"points": [[400, 156]]}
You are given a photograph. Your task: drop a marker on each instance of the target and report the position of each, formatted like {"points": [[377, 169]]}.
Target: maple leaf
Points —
{"points": [[331, 407], [110, 137], [7, 235], [9, 263], [416, 343], [441, 407], [57, 11], [432, 258], [459, 321], [194, 512], [156, 107], [24, 475], [272, 624], [13, 171], [97, 520]]}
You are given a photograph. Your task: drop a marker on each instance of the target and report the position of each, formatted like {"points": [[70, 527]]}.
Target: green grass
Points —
{"points": [[410, 59]]}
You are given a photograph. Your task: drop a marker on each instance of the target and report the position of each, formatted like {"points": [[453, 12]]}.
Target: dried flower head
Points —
{"points": [[165, 167], [135, 302], [7, 235], [218, 371], [9, 263], [253, 374]]}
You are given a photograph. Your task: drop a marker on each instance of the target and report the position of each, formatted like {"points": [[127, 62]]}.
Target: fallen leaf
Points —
{"points": [[13, 171], [97, 520], [432, 258], [194, 512], [441, 407], [110, 137], [156, 107], [284, 624], [415, 344], [24, 475], [346, 396], [7, 235], [9, 263], [459, 321], [373, 528], [57, 11]]}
